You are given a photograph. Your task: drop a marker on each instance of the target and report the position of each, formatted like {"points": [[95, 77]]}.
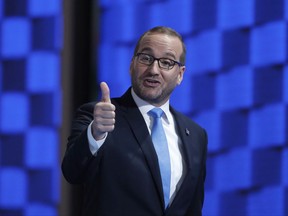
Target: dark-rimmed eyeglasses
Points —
{"points": [[163, 63]]}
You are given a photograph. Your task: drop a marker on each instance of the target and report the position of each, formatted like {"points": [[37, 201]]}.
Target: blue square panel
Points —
{"points": [[43, 33], [10, 211], [204, 14], [14, 112], [233, 170], [204, 52], [44, 155], [268, 85], [203, 92], [235, 88], [269, 10], [181, 98], [13, 187], [210, 120], [235, 14], [286, 201], [235, 47], [162, 14], [211, 203], [15, 7], [267, 126], [267, 167], [285, 167], [123, 25], [1, 77], [43, 66], [286, 17], [1, 10], [184, 23], [285, 84], [117, 81], [105, 56], [210, 177], [35, 209], [42, 109], [14, 75], [267, 201], [15, 41], [55, 184], [37, 179], [269, 44], [11, 150], [144, 22], [58, 31], [234, 128], [233, 203], [44, 7]]}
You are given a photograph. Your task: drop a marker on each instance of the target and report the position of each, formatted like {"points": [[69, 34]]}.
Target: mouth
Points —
{"points": [[152, 83]]}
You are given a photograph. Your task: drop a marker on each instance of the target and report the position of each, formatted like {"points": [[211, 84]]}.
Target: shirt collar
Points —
{"points": [[145, 107]]}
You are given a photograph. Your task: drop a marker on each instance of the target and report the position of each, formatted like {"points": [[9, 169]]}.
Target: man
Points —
{"points": [[113, 149]]}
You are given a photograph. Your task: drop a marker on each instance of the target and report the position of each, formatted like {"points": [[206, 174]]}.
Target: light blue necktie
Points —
{"points": [[161, 147]]}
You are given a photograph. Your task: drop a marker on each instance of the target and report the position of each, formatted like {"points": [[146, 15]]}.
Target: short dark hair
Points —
{"points": [[167, 31]]}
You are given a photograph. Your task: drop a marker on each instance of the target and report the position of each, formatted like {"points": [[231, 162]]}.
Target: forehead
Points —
{"points": [[161, 44]]}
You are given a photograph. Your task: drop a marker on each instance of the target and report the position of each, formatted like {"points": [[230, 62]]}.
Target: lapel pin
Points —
{"points": [[187, 131]]}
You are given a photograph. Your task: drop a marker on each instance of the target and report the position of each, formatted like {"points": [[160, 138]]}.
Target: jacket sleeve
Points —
{"points": [[196, 207], [78, 155]]}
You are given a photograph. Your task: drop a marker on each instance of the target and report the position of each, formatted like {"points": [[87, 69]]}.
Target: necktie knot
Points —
{"points": [[156, 112]]}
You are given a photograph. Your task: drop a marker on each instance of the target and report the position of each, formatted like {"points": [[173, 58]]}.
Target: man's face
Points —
{"points": [[151, 83]]}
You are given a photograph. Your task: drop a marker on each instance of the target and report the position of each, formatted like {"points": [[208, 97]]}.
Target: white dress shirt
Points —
{"points": [[171, 134]]}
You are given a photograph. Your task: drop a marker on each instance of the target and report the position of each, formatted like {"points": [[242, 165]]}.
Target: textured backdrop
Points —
{"points": [[30, 106], [235, 85]]}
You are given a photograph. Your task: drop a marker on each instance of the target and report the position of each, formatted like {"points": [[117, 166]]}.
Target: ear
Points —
{"points": [[180, 75]]}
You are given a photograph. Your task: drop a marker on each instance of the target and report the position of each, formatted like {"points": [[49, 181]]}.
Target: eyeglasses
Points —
{"points": [[163, 63]]}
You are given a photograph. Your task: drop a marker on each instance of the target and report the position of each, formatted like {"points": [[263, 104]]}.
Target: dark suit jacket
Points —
{"points": [[123, 179]]}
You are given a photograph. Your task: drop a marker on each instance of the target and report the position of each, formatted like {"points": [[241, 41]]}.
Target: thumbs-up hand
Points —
{"points": [[104, 114], [105, 92]]}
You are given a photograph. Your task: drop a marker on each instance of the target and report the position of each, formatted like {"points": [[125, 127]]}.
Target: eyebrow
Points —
{"points": [[168, 54]]}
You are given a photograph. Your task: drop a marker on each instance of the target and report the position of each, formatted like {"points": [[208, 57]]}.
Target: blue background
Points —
{"points": [[235, 86], [30, 106]]}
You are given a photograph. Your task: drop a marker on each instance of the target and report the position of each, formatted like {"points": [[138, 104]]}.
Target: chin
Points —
{"points": [[152, 98]]}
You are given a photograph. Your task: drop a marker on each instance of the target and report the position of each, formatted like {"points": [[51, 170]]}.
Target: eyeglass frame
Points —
{"points": [[158, 60]]}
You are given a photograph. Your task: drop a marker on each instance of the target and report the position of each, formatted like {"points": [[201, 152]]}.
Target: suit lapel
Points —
{"points": [[190, 154], [141, 133]]}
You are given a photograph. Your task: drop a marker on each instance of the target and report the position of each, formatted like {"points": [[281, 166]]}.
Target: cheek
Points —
{"points": [[138, 71], [134, 71], [176, 77], [170, 80]]}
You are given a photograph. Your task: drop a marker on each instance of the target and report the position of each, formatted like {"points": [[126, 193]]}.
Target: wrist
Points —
{"points": [[96, 135]]}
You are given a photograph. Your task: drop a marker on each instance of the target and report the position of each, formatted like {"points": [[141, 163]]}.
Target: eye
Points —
{"points": [[166, 62], [146, 58]]}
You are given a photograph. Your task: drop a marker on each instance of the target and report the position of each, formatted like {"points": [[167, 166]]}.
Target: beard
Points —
{"points": [[156, 96]]}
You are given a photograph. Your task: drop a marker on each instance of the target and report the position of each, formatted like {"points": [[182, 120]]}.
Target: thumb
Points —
{"points": [[105, 92]]}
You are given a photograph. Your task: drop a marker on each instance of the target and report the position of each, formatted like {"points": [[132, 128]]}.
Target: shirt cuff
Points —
{"points": [[94, 145]]}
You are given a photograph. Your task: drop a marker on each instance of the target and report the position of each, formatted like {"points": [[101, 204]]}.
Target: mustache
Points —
{"points": [[151, 76]]}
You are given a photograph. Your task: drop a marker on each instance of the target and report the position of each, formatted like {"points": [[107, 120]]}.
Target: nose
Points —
{"points": [[154, 67]]}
